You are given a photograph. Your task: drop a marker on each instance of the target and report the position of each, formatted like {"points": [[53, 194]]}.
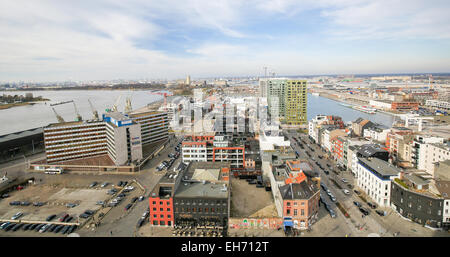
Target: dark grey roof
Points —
{"points": [[416, 179], [368, 150], [297, 191], [21, 134], [200, 190], [382, 167]]}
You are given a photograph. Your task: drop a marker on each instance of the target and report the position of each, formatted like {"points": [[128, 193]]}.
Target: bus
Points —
{"points": [[54, 170]]}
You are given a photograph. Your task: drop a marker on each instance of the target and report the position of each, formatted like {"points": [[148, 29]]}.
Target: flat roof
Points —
{"points": [[382, 167], [200, 190], [21, 134]]}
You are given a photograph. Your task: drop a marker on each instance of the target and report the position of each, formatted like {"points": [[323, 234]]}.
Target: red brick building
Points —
{"points": [[404, 106]]}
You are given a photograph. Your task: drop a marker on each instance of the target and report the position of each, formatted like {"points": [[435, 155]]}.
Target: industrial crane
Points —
{"points": [[165, 94], [79, 118], [128, 107], [114, 108], [60, 119], [94, 112]]}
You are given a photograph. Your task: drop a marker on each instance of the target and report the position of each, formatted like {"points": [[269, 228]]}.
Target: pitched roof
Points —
{"points": [[303, 190]]}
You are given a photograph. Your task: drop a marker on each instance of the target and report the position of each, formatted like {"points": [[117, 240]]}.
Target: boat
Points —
{"points": [[346, 105], [365, 109], [61, 103]]}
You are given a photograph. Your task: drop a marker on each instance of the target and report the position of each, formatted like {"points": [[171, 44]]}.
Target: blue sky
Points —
{"points": [[110, 39]]}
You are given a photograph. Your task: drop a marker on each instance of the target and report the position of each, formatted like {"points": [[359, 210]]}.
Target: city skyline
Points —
{"points": [[55, 41]]}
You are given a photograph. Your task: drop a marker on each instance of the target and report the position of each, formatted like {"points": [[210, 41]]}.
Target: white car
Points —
{"points": [[17, 215], [129, 188], [344, 180], [346, 192]]}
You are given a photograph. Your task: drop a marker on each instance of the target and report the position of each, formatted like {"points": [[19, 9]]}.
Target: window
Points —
{"points": [[303, 203], [161, 209], [168, 209], [288, 211], [295, 212], [288, 204], [160, 203], [154, 202], [169, 223], [155, 222], [162, 216], [212, 210], [154, 215], [295, 203], [154, 209], [169, 216], [302, 212], [162, 223]]}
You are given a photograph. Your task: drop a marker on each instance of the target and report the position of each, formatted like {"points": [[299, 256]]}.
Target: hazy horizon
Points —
{"points": [[51, 41]]}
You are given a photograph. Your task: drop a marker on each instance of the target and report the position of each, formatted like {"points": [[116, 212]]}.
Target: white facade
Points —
{"points": [[380, 104], [433, 153], [438, 104], [312, 126], [375, 187], [375, 134], [446, 216]]}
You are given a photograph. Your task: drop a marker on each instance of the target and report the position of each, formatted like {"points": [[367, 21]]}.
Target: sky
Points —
{"points": [[58, 40]]}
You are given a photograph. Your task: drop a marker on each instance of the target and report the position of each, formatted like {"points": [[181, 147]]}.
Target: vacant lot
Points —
{"points": [[247, 199]]}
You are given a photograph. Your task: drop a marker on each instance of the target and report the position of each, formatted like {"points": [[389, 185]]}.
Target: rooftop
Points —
{"points": [[368, 150], [203, 190], [444, 188], [304, 190], [382, 167]]}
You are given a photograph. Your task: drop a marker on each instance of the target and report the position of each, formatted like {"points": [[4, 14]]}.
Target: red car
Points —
{"points": [[64, 217]]}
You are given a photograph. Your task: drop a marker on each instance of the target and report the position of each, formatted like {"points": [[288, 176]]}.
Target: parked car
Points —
{"points": [[49, 218], [64, 229], [134, 199], [140, 222], [333, 198], [104, 184], [69, 219], [128, 206], [141, 198], [9, 226], [346, 191], [326, 172], [356, 192], [328, 192], [63, 217], [100, 203], [93, 184], [129, 188], [38, 204], [71, 229], [33, 226], [4, 225], [89, 212], [44, 228], [17, 215], [71, 205], [381, 213], [14, 203], [358, 204], [39, 227], [58, 228], [332, 214], [52, 227], [372, 205], [120, 183], [84, 216], [5, 196], [350, 186], [26, 226], [344, 180], [364, 211]]}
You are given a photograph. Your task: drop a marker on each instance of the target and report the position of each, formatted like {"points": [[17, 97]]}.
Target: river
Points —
{"points": [[40, 114]]}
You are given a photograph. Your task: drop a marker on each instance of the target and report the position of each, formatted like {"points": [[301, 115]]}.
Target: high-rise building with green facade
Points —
{"points": [[286, 98]]}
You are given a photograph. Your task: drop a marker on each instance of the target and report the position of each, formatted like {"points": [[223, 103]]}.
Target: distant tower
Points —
{"points": [[188, 80]]}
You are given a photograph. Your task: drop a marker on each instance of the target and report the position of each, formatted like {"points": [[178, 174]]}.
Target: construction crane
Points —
{"points": [[128, 107], [114, 108], [94, 112], [60, 119], [164, 94], [79, 118]]}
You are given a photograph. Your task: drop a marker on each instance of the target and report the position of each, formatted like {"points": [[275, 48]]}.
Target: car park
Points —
{"points": [[17, 215]]}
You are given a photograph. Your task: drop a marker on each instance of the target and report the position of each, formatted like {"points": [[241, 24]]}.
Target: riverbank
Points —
{"points": [[11, 105], [331, 97]]}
